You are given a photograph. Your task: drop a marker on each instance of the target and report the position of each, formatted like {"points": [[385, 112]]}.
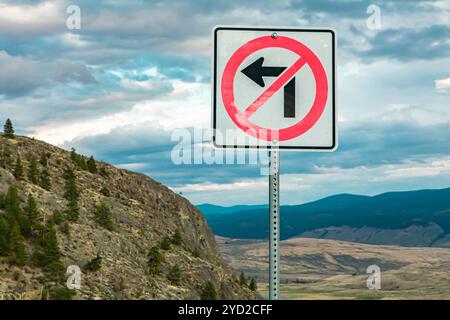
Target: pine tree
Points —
{"points": [[103, 172], [5, 160], [165, 243], [70, 188], [94, 264], [44, 177], [155, 259], [45, 180], [12, 205], [253, 286], [17, 245], [56, 218], [103, 216], [32, 212], [44, 159], [74, 156], [33, 172], [174, 275], [8, 130], [73, 210], [3, 237], [242, 279], [78, 159], [50, 244], [13, 212], [82, 163], [91, 165], [18, 169], [208, 292], [2, 201], [65, 228], [177, 239], [51, 255], [105, 191], [71, 194]]}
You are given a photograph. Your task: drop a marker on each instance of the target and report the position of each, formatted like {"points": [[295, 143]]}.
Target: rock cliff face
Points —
{"points": [[145, 216]]}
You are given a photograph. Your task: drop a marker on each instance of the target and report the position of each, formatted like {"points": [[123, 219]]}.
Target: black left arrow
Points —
{"points": [[256, 71]]}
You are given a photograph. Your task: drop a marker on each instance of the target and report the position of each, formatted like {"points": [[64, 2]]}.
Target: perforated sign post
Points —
{"points": [[274, 88]]}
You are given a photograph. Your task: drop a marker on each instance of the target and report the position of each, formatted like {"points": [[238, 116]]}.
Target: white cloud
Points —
{"points": [[187, 106], [28, 20], [386, 90], [432, 168], [442, 84], [414, 114], [73, 40]]}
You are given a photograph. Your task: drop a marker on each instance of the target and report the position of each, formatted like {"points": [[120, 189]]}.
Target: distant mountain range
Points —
{"points": [[411, 218]]}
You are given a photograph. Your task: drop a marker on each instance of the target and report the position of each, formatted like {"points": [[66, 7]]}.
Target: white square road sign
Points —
{"points": [[274, 88]]}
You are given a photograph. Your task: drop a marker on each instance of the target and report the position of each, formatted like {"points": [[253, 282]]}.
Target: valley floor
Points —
{"points": [[329, 269]]}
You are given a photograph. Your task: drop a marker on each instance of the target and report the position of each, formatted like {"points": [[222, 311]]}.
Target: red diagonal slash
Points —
{"points": [[274, 87]]}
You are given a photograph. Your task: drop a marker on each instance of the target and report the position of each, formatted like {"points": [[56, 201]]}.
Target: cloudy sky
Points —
{"points": [[137, 70]]}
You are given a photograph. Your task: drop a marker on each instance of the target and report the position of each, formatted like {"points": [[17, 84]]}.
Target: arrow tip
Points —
{"points": [[253, 71]]}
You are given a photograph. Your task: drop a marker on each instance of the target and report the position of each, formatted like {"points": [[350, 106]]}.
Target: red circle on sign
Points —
{"points": [[241, 120]]}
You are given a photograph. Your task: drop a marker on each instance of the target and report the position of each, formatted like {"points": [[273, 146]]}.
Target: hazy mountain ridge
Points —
{"points": [[411, 218], [144, 215]]}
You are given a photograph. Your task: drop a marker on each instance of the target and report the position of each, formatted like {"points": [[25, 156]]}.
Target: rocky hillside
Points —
{"points": [[131, 237]]}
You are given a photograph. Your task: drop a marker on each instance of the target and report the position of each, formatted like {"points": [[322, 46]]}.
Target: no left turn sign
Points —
{"points": [[274, 87]]}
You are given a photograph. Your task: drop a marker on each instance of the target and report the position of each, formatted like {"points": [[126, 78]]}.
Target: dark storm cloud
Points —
{"points": [[19, 76]]}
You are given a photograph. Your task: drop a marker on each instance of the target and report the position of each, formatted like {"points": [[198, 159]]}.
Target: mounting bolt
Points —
{"points": [[274, 35]]}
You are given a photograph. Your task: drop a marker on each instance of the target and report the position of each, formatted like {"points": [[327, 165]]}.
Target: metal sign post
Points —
{"points": [[274, 221]]}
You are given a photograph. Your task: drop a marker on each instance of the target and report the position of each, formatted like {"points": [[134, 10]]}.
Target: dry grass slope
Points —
{"points": [[329, 269]]}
